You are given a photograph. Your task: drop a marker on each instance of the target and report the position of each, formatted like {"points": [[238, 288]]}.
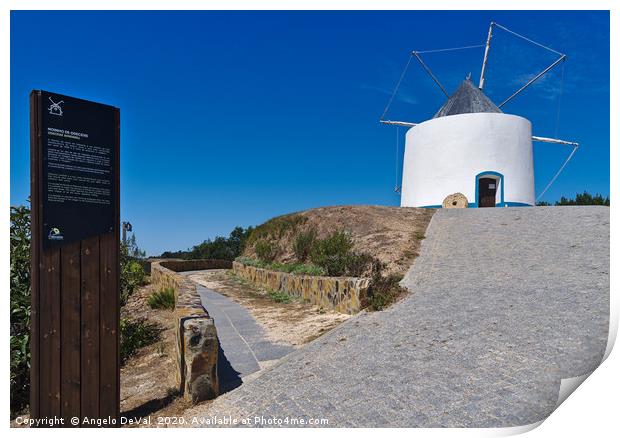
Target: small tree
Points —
{"points": [[132, 273]]}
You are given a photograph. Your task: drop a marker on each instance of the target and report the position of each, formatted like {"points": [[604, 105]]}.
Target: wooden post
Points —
{"points": [[74, 344]]}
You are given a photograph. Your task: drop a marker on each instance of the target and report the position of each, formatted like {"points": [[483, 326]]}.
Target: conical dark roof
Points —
{"points": [[467, 99]]}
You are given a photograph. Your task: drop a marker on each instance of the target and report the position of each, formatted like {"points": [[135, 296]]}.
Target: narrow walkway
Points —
{"points": [[244, 348]]}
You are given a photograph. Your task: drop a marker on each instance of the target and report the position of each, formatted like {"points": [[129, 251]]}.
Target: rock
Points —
{"points": [[196, 335], [200, 359]]}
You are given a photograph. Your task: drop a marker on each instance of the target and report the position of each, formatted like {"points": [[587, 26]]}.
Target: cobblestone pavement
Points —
{"points": [[504, 303]]}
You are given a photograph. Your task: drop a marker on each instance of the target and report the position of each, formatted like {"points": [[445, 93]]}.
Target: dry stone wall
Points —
{"points": [[343, 294]]}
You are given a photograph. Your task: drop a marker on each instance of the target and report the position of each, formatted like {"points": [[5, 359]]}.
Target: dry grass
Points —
{"points": [[391, 234]]}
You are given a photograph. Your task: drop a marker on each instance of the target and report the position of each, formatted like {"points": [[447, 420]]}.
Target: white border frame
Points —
{"points": [[593, 410]]}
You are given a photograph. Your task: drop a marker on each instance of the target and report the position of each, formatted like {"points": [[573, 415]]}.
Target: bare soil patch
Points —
{"points": [[294, 323], [148, 382]]}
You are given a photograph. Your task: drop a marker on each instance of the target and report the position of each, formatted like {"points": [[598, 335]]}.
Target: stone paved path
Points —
{"points": [[504, 304], [243, 345]]}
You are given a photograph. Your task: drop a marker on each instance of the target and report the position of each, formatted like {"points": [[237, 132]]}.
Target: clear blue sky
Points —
{"points": [[230, 118]]}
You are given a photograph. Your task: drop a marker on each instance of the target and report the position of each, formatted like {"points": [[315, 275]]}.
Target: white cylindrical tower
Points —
{"points": [[485, 155]]}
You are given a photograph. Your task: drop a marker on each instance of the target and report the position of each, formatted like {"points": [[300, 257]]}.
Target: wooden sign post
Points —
{"points": [[74, 344]]}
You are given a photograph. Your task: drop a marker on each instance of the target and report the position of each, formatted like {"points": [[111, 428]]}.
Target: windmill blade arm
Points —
{"points": [[430, 73], [526, 38], [486, 55], [397, 123], [554, 140], [550, 183], [531, 81]]}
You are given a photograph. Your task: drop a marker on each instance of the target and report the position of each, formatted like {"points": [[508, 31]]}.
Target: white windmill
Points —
{"points": [[470, 147]]}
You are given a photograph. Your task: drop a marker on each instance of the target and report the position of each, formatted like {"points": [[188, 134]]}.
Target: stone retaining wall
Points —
{"points": [[343, 294], [197, 341]]}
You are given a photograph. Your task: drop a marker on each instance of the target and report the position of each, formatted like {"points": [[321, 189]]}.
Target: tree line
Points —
{"points": [[584, 198], [223, 248]]}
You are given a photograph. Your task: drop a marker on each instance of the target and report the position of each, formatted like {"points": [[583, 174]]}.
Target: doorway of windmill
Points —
{"points": [[487, 188]]}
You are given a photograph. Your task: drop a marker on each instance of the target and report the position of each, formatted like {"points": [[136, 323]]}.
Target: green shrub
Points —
{"points": [[332, 253], [163, 299], [383, 291], [305, 269], [20, 308], [358, 264], [336, 256], [303, 244], [294, 268], [245, 260], [132, 276], [135, 334], [280, 297], [266, 251], [132, 273]]}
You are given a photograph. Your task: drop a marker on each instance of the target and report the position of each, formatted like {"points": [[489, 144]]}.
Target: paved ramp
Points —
{"points": [[504, 304]]}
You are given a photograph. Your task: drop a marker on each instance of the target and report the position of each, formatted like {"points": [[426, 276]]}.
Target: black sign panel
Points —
{"points": [[78, 144]]}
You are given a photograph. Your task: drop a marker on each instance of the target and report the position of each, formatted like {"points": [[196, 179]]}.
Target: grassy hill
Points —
{"points": [[391, 235]]}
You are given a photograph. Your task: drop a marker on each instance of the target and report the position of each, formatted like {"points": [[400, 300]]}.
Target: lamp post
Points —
{"points": [[126, 227]]}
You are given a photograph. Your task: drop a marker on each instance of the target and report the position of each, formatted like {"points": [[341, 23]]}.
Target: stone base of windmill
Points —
{"points": [[455, 200]]}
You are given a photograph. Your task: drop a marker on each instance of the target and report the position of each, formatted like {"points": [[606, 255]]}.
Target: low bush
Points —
{"points": [[358, 264], [163, 299], [383, 291], [306, 269], [336, 256], [132, 273], [244, 260], [303, 244], [135, 334], [332, 253], [333, 256], [132, 276], [266, 251], [293, 268], [280, 297], [419, 235]]}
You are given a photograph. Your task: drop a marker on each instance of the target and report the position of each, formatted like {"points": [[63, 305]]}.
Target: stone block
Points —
{"points": [[197, 342], [200, 359]]}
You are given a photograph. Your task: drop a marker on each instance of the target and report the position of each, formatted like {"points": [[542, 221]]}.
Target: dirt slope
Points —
{"points": [[391, 234]]}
